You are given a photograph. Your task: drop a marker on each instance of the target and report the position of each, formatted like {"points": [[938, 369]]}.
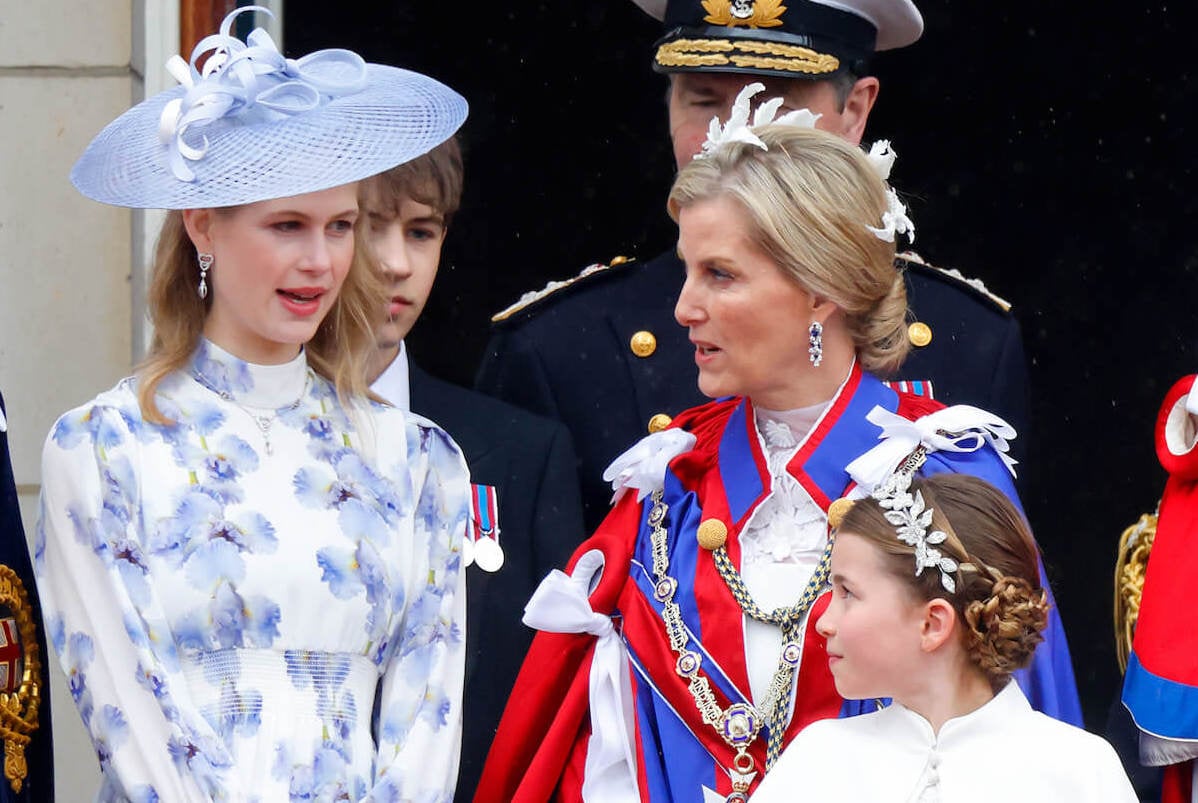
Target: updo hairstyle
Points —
{"points": [[809, 199], [998, 600]]}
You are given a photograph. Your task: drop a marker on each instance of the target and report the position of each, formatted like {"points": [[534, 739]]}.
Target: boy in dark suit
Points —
{"points": [[527, 501]]}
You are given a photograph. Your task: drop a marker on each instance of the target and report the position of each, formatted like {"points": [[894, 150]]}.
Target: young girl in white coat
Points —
{"points": [[936, 601]]}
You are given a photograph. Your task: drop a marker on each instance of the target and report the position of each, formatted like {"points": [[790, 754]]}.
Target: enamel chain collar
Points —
{"points": [[740, 724]]}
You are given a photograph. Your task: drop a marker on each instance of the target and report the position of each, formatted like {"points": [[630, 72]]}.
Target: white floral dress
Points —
{"points": [[263, 602]]}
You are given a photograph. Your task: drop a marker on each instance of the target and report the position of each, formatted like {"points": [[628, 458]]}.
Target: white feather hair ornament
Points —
{"points": [[881, 156], [737, 129]]}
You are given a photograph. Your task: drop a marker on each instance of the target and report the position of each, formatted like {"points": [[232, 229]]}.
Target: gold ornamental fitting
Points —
{"points": [[712, 534], [920, 334], [659, 422], [618, 261], [838, 510], [19, 709], [643, 344]]}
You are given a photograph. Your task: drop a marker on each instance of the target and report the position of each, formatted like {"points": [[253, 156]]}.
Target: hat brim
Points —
{"points": [[398, 116], [899, 22]]}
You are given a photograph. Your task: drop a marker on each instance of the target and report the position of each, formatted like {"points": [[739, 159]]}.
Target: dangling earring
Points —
{"points": [[815, 347], [205, 263]]}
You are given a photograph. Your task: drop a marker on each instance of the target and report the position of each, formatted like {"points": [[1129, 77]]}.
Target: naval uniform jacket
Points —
{"points": [[14, 553], [540, 751], [568, 357], [530, 463], [1160, 688]]}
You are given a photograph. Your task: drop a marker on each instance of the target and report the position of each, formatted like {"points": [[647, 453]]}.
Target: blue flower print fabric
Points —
{"points": [[264, 600]]}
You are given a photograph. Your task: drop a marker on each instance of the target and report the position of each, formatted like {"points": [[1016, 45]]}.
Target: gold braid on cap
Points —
{"points": [[750, 54]]}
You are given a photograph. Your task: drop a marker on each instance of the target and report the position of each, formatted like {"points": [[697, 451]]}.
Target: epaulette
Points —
{"points": [[913, 259], [534, 298]]}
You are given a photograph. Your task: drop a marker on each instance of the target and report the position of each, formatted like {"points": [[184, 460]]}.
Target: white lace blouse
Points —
{"points": [[782, 542]]}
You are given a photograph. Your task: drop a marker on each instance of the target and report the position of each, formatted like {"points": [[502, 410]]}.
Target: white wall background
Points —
{"points": [[70, 269]]}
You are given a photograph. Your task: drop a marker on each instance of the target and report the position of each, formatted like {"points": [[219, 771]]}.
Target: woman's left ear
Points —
{"points": [[939, 624]]}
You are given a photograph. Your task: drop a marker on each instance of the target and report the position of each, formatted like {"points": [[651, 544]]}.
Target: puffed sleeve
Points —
{"points": [[420, 708], [107, 625], [1177, 430]]}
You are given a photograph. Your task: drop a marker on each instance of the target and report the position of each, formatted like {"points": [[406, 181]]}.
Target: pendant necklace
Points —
{"points": [[264, 421]]}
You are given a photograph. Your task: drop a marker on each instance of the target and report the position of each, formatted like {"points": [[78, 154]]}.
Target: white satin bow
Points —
{"points": [[959, 428], [561, 605], [644, 465]]}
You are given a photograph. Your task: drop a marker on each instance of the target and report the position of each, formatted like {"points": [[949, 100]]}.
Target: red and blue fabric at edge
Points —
{"points": [[1160, 688], [540, 751]]}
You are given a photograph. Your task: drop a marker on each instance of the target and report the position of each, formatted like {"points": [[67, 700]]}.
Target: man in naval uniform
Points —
{"points": [[602, 352], [527, 514], [28, 766]]}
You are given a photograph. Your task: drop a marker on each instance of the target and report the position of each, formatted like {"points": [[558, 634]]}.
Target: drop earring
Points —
{"points": [[205, 261], [815, 343]]}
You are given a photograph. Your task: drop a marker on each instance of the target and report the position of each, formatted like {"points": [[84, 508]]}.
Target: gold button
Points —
{"points": [[643, 344], [920, 334], [712, 534], [838, 510], [659, 422], [618, 261]]}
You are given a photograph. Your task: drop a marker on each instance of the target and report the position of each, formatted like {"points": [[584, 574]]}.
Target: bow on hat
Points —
{"points": [[241, 79]]}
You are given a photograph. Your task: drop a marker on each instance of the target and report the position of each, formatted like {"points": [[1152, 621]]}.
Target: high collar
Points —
{"points": [[997, 714], [263, 386], [840, 435]]}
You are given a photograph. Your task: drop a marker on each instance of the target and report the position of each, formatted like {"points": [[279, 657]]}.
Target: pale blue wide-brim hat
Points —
{"points": [[254, 126]]}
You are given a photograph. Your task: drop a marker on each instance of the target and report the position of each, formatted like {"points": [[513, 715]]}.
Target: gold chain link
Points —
{"points": [[740, 724]]}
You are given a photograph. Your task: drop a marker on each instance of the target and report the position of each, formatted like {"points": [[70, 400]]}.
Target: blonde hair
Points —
{"points": [[809, 198], [338, 351], [998, 597]]}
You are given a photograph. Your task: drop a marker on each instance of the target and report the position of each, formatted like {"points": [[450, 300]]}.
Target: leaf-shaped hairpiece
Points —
{"points": [[911, 518]]}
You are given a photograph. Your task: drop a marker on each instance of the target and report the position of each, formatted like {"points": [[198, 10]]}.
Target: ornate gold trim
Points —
{"points": [[821, 62], [19, 710], [536, 296], [766, 14], [1135, 545], [698, 45], [760, 55], [690, 60], [769, 63]]}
